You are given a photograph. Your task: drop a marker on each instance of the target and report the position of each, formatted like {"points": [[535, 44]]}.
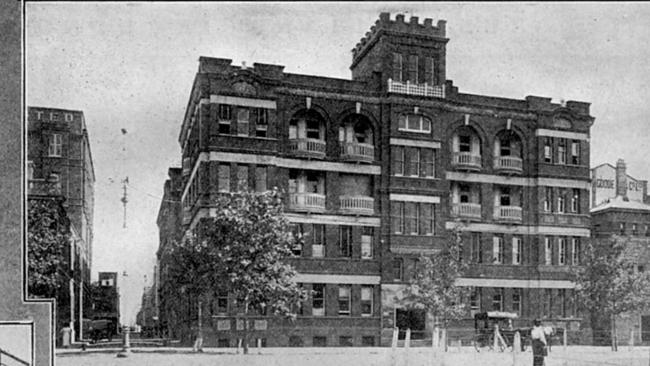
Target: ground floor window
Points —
{"points": [[223, 342], [295, 341], [414, 319], [320, 341], [368, 341], [345, 341]]}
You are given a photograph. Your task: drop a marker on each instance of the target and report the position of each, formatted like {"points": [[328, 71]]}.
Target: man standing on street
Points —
{"points": [[539, 343]]}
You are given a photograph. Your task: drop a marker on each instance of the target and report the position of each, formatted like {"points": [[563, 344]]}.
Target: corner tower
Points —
{"points": [[410, 52]]}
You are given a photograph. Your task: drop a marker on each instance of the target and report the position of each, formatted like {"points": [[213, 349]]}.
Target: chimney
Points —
{"points": [[621, 179]]}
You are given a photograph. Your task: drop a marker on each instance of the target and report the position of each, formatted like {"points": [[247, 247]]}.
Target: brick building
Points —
{"points": [[58, 151], [379, 169], [620, 209]]}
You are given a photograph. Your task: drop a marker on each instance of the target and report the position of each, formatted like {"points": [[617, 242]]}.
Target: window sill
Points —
{"points": [[414, 131], [247, 137]]}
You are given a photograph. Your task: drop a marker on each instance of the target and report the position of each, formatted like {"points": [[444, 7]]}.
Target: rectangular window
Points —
{"points": [[517, 248], [412, 161], [575, 152], [344, 299], [318, 245], [345, 341], [345, 241], [225, 112], [262, 122], [575, 251], [397, 216], [299, 234], [243, 116], [504, 196], [260, 179], [366, 242], [397, 67], [497, 250], [55, 145], [398, 269], [560, 203], [497, 299], [413, 69], [548, 199], [222, 303], [561, 298], [427, 163], [561, 251], [621, 227], [561, 152], [318, 299], [516, 301], [366, 300], [547, 303], [426, 219], [224, 178], [477, 250], [547, 251], [575, 201], [242, 178], [634, 230], [411, 218], [429, 75], [398, 160], [475, 300], [548, 150], [225, 116], [367, 341]]}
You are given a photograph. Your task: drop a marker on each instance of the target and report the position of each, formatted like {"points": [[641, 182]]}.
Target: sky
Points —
{"points": [[131, 66]]}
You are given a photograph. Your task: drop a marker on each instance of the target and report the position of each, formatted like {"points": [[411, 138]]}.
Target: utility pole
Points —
{"points": [[124, 200]]}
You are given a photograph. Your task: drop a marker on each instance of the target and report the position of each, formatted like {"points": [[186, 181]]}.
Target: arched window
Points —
{"points": [[307, 124]]}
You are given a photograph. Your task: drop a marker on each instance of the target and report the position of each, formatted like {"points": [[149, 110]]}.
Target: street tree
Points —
{"points": [[242, 250], [609, 282], [434, 284], [48, 236]]}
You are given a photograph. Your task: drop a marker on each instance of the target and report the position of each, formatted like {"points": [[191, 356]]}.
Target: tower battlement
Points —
{"points": [[399, 25]]}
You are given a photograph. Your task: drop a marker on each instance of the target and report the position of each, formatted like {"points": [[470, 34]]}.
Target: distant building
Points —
{"points": [[59, 152], [381, 168], [105, 303], [620, 208]]}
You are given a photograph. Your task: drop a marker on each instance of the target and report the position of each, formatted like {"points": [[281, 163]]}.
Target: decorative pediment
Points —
{"points": [[562, 122], [243, 87]]}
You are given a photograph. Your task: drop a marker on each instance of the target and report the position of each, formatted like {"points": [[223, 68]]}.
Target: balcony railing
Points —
{"points": [[424, 90], [509, 164], [355, 151], [468, 210], [362, 205], [307, 201], [509, 213], [467, 160], [310, 147]]}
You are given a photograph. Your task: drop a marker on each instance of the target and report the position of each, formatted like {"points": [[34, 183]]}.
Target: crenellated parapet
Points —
{"points": [[413, 27]]}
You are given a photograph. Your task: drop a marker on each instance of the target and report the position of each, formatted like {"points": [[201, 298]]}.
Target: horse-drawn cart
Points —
{"points": [[494, 329]]}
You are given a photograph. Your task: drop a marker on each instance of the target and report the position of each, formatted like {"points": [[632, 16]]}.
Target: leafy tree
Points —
{"points": [[433, 286], [608, 282], [48, 234], [242, 250]]}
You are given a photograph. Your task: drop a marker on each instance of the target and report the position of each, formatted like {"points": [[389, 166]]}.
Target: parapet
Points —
{"points": [[413, 27]]}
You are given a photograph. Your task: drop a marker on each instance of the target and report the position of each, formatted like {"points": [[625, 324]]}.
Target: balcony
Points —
{"points": [[360, 205], [467, 210], [357, 152], [466, 160], [508, 213], [508, 164], [311, 202], [313, 148], [423, 90]]}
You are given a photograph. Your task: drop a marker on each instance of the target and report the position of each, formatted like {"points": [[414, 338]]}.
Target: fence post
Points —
{"points": [[436, 337], [444, 338], [631, 341], [259, 345], [393, 347], [495, 344], [564, 339], [407, 345], [516, 343]]}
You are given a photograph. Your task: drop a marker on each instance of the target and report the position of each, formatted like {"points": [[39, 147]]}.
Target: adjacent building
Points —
{"points": [[382, 168], [59, 158], [620, 209]]}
